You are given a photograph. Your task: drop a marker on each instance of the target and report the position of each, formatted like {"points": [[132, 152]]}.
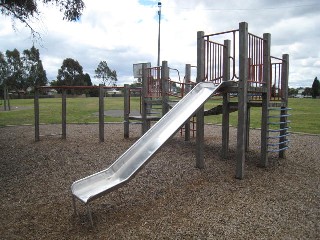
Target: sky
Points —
{"points": [[125, 32]]}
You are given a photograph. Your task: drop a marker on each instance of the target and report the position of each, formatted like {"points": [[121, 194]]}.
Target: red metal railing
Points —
{"points": [[214, 57], [255, 55], [275, 79], [154, 82], [213, 61]]}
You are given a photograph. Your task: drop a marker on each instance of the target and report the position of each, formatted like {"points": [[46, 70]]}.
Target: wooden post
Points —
{"points": [[126, 110], [248, 128], [64, 114], [165, 87], [36, 115], [265, 100], [6, 98], [186, 90], [242, 99], [284, 111], [226, 99], [200, 113], [144, 128], [101, 113]]}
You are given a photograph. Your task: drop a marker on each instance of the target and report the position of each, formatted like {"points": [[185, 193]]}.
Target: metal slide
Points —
{"points": [[123, 169]]}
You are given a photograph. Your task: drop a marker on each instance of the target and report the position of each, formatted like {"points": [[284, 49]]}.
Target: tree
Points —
{"points": [[26, 10], [33, 69], [315, 90], [307, 91], [3, 68], [70, 73], [15, 73], [87, 80], [292, 91], [104, 73]]}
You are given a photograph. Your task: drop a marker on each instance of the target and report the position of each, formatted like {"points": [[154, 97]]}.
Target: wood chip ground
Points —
{"points": [[168, 199]]}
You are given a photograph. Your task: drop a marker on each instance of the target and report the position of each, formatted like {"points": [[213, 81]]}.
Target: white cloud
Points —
{"points": [[125, 32]]}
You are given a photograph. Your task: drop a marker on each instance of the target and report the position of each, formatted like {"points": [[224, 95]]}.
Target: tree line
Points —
{"points": [[313, 91], [22, 72]]}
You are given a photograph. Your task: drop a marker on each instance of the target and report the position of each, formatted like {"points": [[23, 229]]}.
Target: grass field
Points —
{"points": [[305, 112]]}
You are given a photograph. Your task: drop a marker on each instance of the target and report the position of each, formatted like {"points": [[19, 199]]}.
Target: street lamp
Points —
{"points": [[159, 14]]}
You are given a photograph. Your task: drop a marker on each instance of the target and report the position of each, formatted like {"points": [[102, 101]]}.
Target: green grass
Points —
{"points": [[305, 112], [305, 115]]}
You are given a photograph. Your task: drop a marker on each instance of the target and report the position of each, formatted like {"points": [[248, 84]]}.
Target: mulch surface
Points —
{"points": [[168, 199]]}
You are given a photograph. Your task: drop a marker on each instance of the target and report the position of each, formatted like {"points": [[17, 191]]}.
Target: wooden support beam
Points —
{"points": [[200, 113], [64, 114], [242, 99], [101, 113], [284, 100], [36, 115], [265, 100], [226, 99], [126, 111], [186, 90]]}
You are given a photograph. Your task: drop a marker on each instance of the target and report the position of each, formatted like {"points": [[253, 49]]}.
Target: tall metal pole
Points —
{"points": [[159, 14]]}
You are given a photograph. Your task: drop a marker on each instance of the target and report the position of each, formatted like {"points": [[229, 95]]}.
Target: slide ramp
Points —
{"points": [[129, 163]]}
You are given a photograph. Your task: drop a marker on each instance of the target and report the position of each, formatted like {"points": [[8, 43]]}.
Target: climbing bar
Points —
{"points": [[279, 109], [277, 123], [279, 150], [279, 136], [279, 116], [279, 143], [279, 130]]}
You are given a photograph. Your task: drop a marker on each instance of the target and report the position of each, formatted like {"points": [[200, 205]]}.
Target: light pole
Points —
{"points": [[159, 14]]}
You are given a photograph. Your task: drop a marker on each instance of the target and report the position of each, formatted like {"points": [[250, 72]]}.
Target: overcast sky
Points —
{"points": [[124, 32]]}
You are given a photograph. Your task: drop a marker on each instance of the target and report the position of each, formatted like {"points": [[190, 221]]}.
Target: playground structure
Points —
{"points": [[262, 81]]}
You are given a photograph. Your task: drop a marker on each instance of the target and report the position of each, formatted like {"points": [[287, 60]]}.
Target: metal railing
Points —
{"points": [[214, 57], [154, 86], [276, 91], [255, 55]]}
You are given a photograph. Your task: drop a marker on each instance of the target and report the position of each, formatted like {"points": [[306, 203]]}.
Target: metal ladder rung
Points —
{"points": [[279, 130], [279, 150], [279, 109], [277, 123], [280, 136], [279, 116], [279, 143]]}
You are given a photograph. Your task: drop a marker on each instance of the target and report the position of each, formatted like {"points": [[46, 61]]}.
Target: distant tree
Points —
{"points": [[105, 74], [3, 68], [70, 73], [292, 91], [87, 80], [33, 69], [15, 72], [26, 10], [315, 88], [136, 85], [307, 91]]}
